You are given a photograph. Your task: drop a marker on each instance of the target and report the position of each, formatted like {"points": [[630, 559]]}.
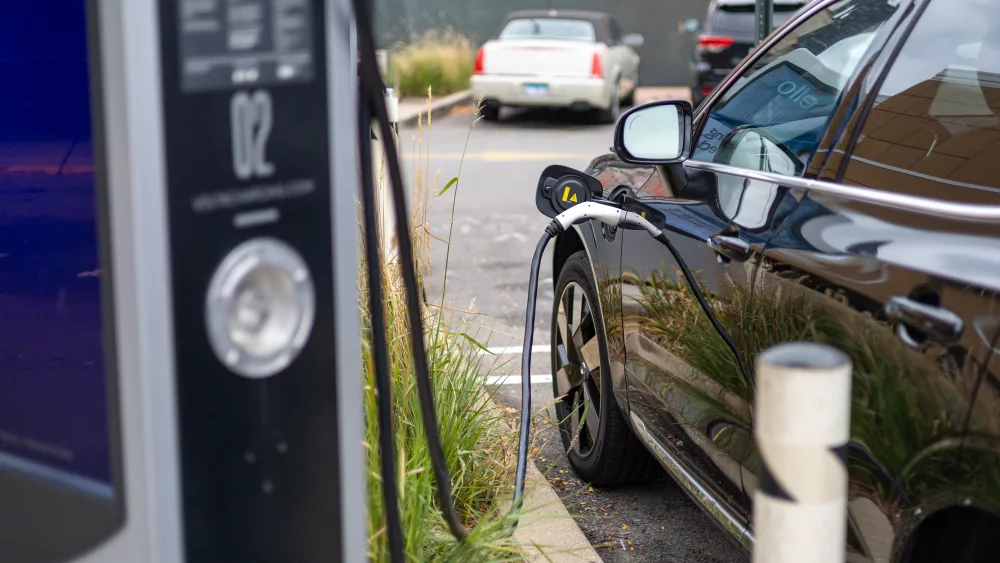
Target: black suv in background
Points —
{"points": [[727, 36]]}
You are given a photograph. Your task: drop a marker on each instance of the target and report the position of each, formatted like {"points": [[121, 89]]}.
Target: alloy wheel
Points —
{"points": [[577, 380]]}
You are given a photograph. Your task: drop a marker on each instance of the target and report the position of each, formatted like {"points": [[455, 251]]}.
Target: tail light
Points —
{"points": [[706, 90], [714, 43], [478, 68], [597, 67]]}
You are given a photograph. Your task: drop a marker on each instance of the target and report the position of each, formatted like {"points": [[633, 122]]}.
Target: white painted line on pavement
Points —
{"points": [[505, 350], [515, 379]]}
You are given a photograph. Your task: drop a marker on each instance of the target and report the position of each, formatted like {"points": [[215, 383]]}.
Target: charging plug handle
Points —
{"points": [[607, 214]]}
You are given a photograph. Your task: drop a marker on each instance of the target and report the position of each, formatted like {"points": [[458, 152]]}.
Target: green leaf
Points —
{"points": [[448, 185], [475, 343]]}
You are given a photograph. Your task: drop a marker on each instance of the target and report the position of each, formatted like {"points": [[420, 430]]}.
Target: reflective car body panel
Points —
{"points": [[905, 97], [830, 276], [615, 176]]}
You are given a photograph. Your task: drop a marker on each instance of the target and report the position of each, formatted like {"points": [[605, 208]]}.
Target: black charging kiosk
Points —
{"points": [[179, 365]]}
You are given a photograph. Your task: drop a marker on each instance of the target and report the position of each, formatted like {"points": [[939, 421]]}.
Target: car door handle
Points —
{"points": [[936, 323], [733, 248]]}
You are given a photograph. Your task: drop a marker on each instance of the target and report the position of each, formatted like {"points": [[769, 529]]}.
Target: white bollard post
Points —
{"points": [[382, 59], [802, 426], [392, 107], [381, 174]]}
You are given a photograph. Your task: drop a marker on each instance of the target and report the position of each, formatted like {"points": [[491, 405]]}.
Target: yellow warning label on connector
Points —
{"points": [[567, 196]]}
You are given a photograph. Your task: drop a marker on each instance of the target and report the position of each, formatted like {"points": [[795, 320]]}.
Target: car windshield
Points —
{"points": [[549, 28]]}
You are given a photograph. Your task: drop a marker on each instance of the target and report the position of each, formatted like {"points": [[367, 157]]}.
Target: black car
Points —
{"points": [[837, 189], [727, 36]]}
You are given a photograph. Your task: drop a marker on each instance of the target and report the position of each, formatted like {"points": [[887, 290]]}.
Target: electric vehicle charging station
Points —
{"points": [[228, 422], [197, 302]]}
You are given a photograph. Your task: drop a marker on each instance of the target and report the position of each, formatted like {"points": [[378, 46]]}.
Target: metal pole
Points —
{"points": [[802, 426], [765, 18]]}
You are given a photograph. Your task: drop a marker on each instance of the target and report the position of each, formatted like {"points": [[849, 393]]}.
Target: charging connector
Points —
{"points": [[605, 213]]}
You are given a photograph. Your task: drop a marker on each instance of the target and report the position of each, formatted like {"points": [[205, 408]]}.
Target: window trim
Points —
{"points": [[916, 204]]}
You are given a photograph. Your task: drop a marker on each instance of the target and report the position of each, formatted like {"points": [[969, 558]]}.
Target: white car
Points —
{"points": [[558, 59]]}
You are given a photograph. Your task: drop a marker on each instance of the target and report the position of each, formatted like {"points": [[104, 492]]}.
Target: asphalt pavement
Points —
{"points": [[493, 236]]}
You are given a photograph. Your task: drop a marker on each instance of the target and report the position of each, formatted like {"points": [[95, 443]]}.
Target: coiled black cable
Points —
{"points": [[374, 89], [380, 359]]}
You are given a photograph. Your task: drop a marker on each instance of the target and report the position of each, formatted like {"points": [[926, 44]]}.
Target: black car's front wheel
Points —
{"points": [[599, 443]]}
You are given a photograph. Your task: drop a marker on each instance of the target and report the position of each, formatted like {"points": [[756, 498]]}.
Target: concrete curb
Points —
{"points": [[409, 115], [547, 532]]}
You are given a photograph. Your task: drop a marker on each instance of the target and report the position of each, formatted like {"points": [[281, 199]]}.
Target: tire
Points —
{"points": [[629, 100], [612, 455], [490, 113], [610, 115]]}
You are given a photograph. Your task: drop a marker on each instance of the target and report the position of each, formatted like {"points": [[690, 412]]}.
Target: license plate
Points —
{"points": [[536, 90]]}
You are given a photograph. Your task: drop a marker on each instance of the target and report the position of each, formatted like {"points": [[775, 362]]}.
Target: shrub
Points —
{"points": [[441, 60]]}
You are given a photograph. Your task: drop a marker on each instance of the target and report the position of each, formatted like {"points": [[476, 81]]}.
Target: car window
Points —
{"points": [[934, 130], [549, 28], [773, 116]]}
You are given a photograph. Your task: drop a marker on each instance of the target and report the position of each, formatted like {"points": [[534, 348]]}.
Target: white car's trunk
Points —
{"points": [[538, 57]]}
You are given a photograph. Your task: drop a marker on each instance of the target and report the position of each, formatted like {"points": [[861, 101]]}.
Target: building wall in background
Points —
{"points": [[666, 54]]}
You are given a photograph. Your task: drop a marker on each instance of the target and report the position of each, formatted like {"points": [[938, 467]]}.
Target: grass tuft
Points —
{"points": [[904, 413], [441, 59], [481, 451]]}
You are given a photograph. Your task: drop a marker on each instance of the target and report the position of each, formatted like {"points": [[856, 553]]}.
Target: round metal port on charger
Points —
{"points": [[260, 308]]}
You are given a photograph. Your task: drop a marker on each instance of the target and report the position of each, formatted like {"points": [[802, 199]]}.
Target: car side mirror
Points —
{"points": [[657, 133], [634, 40], [689, 25]]}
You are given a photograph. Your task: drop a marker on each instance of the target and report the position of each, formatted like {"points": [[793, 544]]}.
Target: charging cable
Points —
{"points": [[610, 215], [604, 213], [373, 88], [379, 347]]}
